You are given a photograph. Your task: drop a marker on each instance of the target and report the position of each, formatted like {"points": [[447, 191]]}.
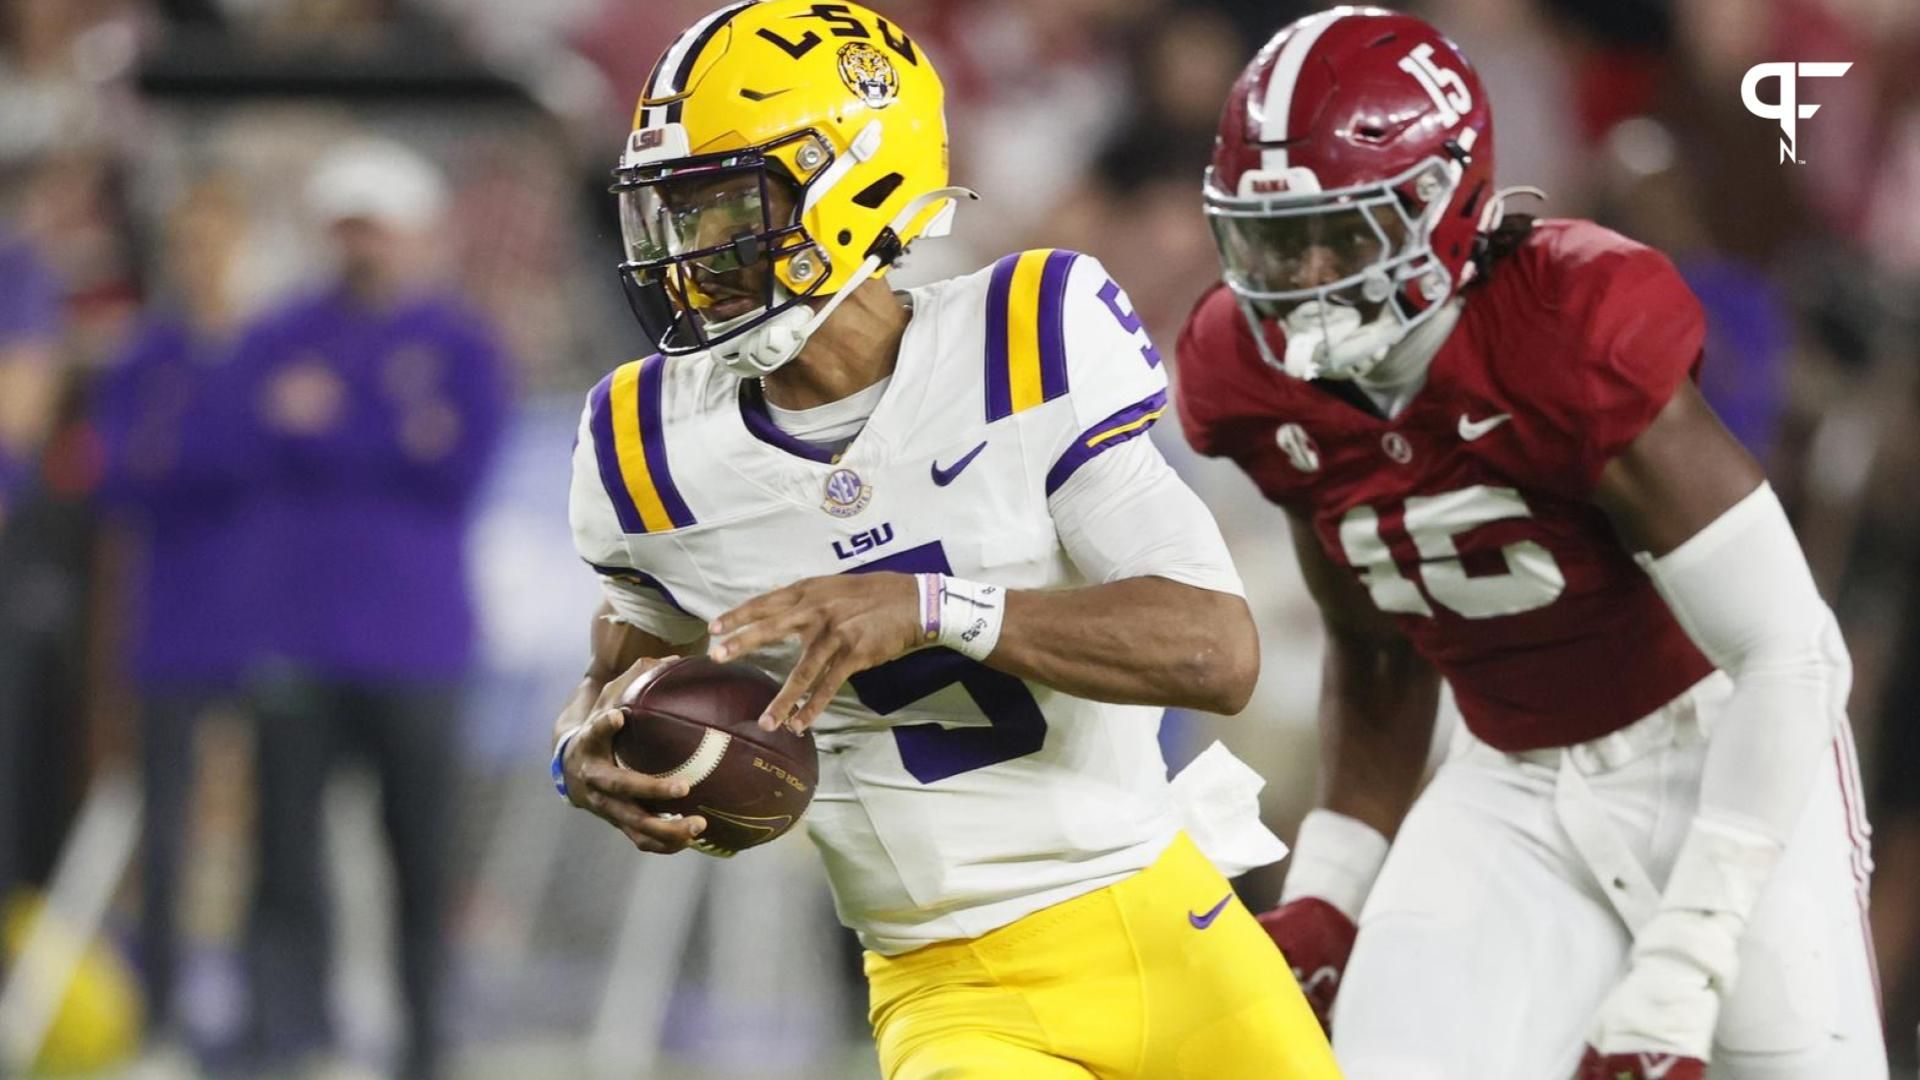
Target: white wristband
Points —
{"points": [[963, 615], [1335, 858]]}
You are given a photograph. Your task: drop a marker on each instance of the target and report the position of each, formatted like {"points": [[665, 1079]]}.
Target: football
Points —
{"points": [[696, 720]]}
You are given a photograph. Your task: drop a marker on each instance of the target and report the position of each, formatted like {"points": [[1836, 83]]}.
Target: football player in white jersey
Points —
{"points": [[932, 515]]}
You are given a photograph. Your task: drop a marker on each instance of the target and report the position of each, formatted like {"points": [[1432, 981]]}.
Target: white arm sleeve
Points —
{"points": [[1742, 591], [1126, 513]]}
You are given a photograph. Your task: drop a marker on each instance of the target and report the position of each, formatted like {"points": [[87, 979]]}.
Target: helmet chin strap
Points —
{"points": [[774, 343]]}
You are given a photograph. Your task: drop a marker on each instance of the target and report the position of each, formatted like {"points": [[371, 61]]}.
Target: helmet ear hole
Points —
{"points": [[845, 237], [876, 194]]}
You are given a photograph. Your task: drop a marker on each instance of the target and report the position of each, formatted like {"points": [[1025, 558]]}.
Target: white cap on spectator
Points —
{"points": [[379, 179]]}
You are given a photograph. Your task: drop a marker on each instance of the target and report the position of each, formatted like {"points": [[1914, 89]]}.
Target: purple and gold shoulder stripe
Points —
{"points": [[1026, 331], [1129, 422], [630, 446]]}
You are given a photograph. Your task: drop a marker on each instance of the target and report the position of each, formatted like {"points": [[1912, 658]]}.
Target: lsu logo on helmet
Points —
{"points": [[868, 73]]}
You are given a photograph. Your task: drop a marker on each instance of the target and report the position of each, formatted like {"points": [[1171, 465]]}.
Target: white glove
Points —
{"points": [[1685, 959], [1681, 967]]}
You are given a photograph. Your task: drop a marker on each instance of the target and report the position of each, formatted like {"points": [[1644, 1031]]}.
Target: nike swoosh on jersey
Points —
{"points": [[1201, 922], [943, 477], [1473, 429]]}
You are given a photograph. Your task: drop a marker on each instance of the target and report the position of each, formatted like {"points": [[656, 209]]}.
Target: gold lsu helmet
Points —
{"points": [[781, 151]]}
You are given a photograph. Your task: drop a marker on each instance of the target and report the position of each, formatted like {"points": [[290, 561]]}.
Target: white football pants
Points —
{"points": [[1489, 939]]}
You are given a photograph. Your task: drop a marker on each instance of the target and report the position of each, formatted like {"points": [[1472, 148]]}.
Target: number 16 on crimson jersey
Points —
{"points": [[1531, 580]]}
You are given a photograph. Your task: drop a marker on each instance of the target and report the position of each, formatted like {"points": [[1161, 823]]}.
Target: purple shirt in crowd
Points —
{"points": [[365, 520], [1749, 332], [179, 468]]}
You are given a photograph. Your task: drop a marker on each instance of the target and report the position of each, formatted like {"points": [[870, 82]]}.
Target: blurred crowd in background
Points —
{"points": [[298, 301]]}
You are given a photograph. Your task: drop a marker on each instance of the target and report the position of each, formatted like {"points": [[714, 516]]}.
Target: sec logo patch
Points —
{"points": [[1299, 447], [846, 494]]}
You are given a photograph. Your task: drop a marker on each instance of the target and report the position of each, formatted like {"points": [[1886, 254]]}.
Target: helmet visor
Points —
{"points": [[715, 226], [1295, 253]]}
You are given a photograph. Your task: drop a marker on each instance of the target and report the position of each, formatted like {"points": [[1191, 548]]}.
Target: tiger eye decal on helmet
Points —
{"points": [[774, 146]]}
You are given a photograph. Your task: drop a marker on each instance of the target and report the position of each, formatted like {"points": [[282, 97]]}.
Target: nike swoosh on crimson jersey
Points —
{"points": [[943, 477], [1473, 429]]}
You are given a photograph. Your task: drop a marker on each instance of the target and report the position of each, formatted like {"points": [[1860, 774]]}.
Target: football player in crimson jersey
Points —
{"points": [[1645, 853]]}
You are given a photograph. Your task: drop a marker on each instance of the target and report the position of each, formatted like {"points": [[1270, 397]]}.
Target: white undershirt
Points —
{"points": [[831, 426]]}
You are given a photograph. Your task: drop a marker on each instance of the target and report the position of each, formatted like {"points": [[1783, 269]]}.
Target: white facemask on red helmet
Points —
{"points": [[1350, 178]]}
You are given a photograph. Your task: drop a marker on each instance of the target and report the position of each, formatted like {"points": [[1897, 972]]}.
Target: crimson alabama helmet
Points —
{"points": [[1349, 180]]}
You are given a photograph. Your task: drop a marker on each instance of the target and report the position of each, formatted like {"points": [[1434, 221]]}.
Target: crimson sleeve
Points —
{"points": [[1643, 335]]}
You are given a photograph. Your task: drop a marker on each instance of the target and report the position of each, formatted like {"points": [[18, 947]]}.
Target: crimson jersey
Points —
{"points": [[1468, 516]]}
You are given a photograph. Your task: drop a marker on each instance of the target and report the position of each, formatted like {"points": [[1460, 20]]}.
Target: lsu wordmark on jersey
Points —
{"points": [[1009, 382]]}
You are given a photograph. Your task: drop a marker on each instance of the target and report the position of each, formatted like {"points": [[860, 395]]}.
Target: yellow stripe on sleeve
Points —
{"points": [[1124, 428], [624, 400], [1023, 331]]}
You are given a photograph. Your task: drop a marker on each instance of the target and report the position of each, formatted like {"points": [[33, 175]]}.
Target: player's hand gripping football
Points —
{"points": [[598, 784], [1316, 938], [844, 624]]}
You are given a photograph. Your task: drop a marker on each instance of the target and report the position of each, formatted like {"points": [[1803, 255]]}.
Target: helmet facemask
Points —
{"points": [[1346, 274], [714, 247]]}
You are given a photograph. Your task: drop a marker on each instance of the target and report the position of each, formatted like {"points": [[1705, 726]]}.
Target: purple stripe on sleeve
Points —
{"points": [[653, 436], [999, 386], [1053, 324], [600, 425], [1084, 449]]}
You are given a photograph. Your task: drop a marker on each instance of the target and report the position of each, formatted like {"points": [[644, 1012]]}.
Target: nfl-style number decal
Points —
{"points": [[1447, 89], [1532, 579], [1121, 306], [1015, 725]]}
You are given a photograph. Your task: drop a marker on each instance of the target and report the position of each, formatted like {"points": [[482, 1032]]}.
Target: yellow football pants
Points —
{"points": [[1163, 976]]}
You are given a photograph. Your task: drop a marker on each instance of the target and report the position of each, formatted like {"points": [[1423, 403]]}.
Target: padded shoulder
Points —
{"points": [[1595, 333]]}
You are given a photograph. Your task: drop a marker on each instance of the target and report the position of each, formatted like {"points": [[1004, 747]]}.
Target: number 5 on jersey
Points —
{"points": [[1532, 579]]}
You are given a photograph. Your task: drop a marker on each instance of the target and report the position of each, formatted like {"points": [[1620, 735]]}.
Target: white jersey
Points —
{"points": [[953, 798]]}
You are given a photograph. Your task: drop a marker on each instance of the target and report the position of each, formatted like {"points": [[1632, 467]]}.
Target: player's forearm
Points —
{"points": [[617, 647], [579, 707], [1377, 705], [1144, 640]]}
